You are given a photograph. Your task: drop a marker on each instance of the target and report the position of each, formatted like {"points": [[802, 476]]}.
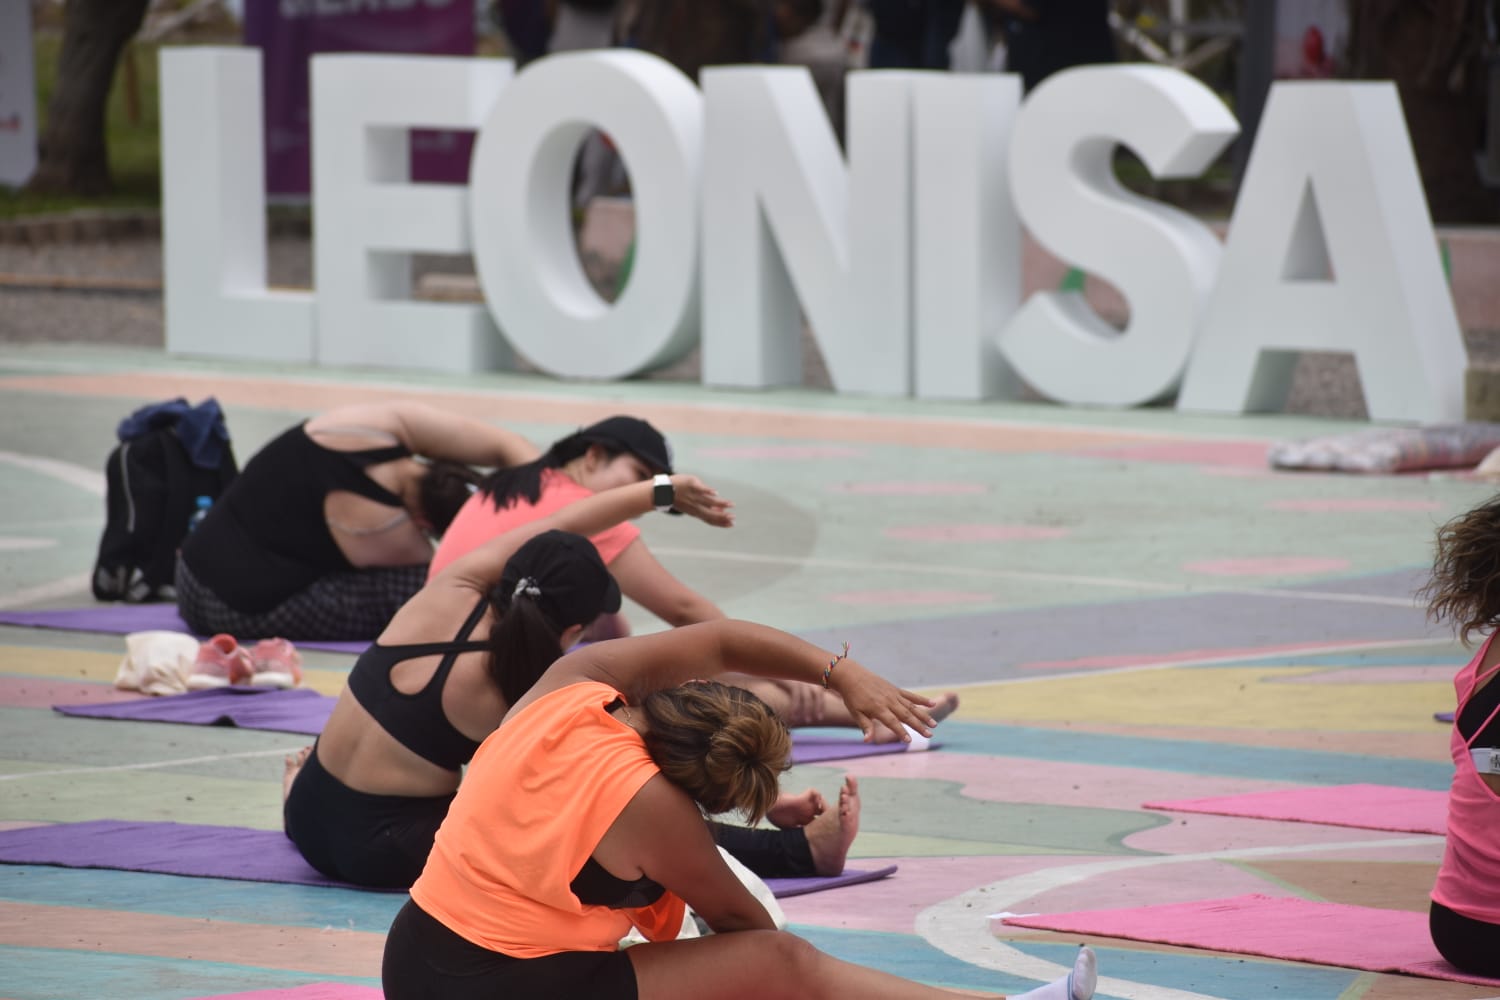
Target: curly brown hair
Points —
{"points": [[1465, 585], [720, 744]]}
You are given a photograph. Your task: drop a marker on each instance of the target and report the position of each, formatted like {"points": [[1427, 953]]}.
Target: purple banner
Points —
{"points": [[290, 32]]}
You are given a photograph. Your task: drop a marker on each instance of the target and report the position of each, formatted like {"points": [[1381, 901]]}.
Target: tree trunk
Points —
{"points": [[1432, 51], [74, 158]]}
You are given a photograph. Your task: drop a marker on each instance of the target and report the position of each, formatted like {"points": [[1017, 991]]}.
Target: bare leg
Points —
{"points": [[775, 965], [294, 764], [830, 836]]}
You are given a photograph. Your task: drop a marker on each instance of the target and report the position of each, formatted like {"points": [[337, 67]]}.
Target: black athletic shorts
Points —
{"points": [[424, 960]]}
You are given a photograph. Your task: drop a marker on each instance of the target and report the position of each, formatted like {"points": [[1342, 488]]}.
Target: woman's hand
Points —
{"points": [[693, 497], [872, 699]]}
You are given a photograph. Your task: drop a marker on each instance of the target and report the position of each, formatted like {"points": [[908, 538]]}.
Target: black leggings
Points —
{"points": [[767, 853], [380, 841], [1470, 945], [424, 960]]}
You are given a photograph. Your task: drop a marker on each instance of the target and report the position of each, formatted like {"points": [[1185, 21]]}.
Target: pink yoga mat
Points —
{"points": [[312, 991], [1368, 807], [1297, 930]]}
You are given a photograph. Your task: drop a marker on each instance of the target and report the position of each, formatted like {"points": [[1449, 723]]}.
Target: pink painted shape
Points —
{"points": [[1353, 504], [1170, 882], [1298, 930], [1181, 656], [973, 533], [902, 488], [312, 991], [1204, 833], [1243, 454], [1368, 807], [1268, 566], [44, 692], [909, 597], [791, 452]]}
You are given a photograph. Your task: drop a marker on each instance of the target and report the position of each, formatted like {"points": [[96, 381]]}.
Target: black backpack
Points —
{"points": [[169, 455]]}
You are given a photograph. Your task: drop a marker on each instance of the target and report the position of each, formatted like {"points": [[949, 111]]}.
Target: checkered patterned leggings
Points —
{"points": [[347, 606]]}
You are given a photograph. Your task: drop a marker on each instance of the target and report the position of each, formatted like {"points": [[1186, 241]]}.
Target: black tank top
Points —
{"points": [[266, 538], [417, 721]]}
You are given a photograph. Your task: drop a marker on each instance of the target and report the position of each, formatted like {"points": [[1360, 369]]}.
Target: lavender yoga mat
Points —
{"points": [[120, 619], [304, 711], [1368, 807], [233, 852], [1297, 930]]}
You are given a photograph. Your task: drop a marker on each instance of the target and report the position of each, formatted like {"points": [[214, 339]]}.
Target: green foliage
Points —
{"points": [[134, 142]]}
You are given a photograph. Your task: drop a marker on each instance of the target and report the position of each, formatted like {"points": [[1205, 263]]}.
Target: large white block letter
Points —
{"points": [[521, 209], [1163, 261], [369, 218], [967, 268], [1331, 249], [783, 220], [214, 213]]}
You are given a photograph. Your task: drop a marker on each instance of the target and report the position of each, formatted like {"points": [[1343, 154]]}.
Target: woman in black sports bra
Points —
{"points": [[362, 805], [328, 529]]}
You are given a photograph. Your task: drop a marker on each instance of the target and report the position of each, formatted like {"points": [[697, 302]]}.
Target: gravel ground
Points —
{"points": [[1323, 385]]}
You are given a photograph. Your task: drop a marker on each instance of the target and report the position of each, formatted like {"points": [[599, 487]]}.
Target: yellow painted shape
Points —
{"points": [[86, 665], [1225, 697]]}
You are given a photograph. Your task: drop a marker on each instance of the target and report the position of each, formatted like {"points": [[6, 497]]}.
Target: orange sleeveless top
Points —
{"points": [[540, 793]]}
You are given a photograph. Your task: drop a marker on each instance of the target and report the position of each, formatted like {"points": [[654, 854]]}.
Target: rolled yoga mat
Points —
{"points": [[233, 852], [122, 619], [304, 711], [1297, 930], [1367, 807]]}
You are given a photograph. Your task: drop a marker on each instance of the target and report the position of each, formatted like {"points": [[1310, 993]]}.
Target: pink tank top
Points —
{"points": [[1468, 882]]}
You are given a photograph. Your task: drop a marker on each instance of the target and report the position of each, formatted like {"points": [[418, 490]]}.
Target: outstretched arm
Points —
{"points": [[708, 650], [432, 432], [479, 569]]}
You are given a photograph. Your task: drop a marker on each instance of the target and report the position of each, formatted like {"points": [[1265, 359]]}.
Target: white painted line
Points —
{"points": [[148, 765], [957, 926], [74, 475]]}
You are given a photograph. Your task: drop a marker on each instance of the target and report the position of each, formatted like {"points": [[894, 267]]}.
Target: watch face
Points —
{"points": [[662, 495]]}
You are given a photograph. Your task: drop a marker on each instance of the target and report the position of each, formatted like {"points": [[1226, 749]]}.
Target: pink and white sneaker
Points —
{"points": [[220, 662], [275, 663]]}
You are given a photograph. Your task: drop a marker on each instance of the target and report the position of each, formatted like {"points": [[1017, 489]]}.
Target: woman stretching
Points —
{"points": [[1465, 590], [362, 805], [604, 455], [328, 529], [582, 816]]}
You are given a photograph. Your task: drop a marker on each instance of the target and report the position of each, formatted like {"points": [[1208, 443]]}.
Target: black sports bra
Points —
{"points": [[597, 887], [417, 721]]}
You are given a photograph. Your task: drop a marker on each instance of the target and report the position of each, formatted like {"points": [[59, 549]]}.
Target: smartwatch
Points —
{"points": [[662, 493]]}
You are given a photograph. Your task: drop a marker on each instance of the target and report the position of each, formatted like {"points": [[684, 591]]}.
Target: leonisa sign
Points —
{"points": [[905, 255]]}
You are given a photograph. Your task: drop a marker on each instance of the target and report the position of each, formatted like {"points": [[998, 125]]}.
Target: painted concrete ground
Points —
{"points": [[1132, 606]]}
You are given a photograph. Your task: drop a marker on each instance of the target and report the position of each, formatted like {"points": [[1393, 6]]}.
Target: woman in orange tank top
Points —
{"points": [[582, 816]]}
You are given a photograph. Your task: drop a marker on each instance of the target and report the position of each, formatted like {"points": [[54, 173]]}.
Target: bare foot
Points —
{"points": [[294, 764], [946, 704], [830, 836], [797, 810]]}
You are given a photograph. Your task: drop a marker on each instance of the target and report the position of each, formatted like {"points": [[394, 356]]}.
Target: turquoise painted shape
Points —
{"points": [[1187, 757]]}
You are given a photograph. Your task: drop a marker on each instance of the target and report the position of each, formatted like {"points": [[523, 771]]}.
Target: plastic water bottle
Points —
{"points": [[200, 511]]}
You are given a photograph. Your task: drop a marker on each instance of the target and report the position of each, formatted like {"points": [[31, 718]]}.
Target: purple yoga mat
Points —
{"points": [[304, 711], [298, 710], [233, 852], [1443, 716], [120, 619]]}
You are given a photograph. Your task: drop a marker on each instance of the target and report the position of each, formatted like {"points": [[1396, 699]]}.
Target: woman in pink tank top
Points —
{"points": [[1465, 590]]}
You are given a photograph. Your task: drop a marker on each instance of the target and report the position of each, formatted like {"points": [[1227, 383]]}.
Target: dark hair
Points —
{"points": [[445, 487], [720, 744], [1465, 584], [522, 645], [503, 486]]}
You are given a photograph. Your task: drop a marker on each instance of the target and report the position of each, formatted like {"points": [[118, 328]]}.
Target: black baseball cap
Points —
{"points": [[563, 574], [635, 436]]}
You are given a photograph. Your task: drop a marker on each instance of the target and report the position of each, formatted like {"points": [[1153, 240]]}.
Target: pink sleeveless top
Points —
{"points": [[1468, 883]]}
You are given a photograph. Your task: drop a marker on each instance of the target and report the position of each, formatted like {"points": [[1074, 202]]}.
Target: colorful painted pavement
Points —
{"points": [[1131, 605]]}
